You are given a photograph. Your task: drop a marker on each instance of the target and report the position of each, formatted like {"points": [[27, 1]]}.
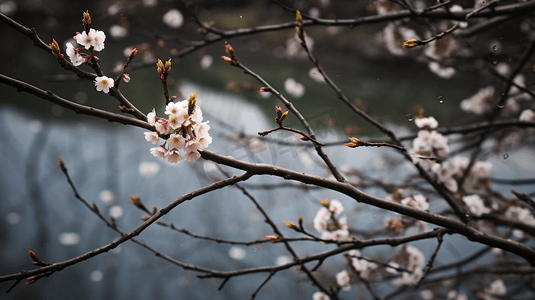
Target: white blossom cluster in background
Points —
{"points": [[494, 292], [429, 145], [295, 50], [185, 129], [360, 265], [417, 201], [522, 215], [294, 88], [414, 262], [330, 227]]}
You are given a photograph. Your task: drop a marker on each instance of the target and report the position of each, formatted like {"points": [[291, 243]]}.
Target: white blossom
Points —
{"points": [[527, 115], [455, 295], [206, 61], [418, 201], [442, 71], [458, 8], [294, 88], [475, 205], [159, 151], [173, 18], [320, 296], [479, 102], [152, 137], [316, 75], [118, 31], [343, 278], [94, 39], [426, 123], [148, 169], [322, 217], [151, 117], [336, 206], [176, 141], [104, 83], [174, 156], [76, 59], [294, 48]]}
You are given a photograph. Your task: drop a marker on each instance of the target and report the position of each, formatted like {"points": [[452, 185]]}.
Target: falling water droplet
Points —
{"points": [[505, 156], [440, 99], [500, 105], [374, 216], [241, 16], [509, 59], [495, 48], [410, 117], [494, 60]]}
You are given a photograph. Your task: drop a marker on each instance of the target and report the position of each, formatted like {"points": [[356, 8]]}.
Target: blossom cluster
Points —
{"points": [[183, 131], [92, 39], [429, 145], [328, 225], [414, 261], [522, 215]]}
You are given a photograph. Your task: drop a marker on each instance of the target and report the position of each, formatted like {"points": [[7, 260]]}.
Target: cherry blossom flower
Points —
{"points": [[151, 117], [426, 123], [475, 205], [527, 115], [343, 278], [94, 39], [162, 126], [418, 201], [174, 156], [294, 48], [173, 18], [479, 102], [176, 141], [320, 296], [76, 59], [152, 137], [294, 88], [442, 71], [159, 151], [336, 206], [104, 83], [316, 75]]}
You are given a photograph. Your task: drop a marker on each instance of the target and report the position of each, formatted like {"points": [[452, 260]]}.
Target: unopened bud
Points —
{"points": [[95, 207], [61, 163], [168, 65], [290, 225], [325, 203], [86, 18], [160, 65], [154, 209], [298, 17], [192, 102], [412, 43], [300, 220], [55, 48], [132, 54], [355, 142], [144, 218]]}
